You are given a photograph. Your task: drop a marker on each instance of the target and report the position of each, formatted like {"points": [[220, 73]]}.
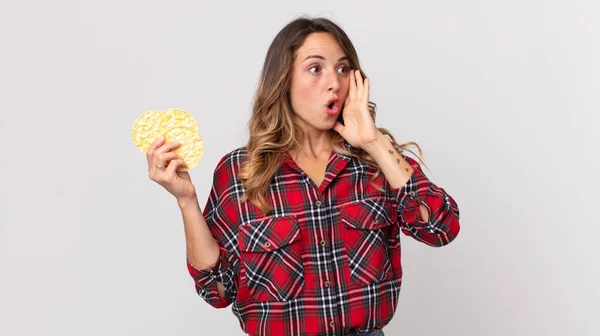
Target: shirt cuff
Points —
{"points": [[415, 191], [442, 224], [206, 280]]}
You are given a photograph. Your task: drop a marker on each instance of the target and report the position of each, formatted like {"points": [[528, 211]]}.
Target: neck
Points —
{"points": [[314, 145]]}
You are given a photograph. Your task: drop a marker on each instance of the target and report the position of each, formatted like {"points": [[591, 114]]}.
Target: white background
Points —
{"points": [[503, 96]]}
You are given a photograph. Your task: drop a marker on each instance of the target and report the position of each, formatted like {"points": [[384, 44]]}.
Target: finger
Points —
{"points": [[338, 127], [150, 151], [173, 165], [359, 84], [155, 144], [166, 147], [154, 170], [164, 158], [155, 154], [351, 93], [367, 90]]}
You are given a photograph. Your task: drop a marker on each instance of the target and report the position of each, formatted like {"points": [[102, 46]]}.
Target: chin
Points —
{"points": [[317, 122], [330, 122]]}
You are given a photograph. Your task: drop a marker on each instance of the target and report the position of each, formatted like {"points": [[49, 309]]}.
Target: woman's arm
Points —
{"points": [[212, 251], [426, 212], [201, 247]]}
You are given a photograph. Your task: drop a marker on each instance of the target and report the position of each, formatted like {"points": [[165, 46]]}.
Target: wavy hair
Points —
{"points": [[271, 126]]}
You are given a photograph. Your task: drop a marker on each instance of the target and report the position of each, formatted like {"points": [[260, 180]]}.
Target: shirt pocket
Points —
{"points": [[366, 224], [271, 253]]}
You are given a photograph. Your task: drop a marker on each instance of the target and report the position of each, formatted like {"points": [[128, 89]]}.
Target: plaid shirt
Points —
{"points": [[326, 260]]}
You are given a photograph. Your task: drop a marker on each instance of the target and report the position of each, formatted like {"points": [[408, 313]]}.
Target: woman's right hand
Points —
{"points": [[163, 164]]}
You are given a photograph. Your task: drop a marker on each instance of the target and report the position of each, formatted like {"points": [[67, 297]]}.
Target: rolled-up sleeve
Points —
{"points": [[221, 216], [442, 226], [206, 281]]}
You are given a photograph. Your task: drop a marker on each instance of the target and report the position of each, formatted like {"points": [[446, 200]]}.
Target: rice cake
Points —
{"points": [[191, 147], [174, 125], [143, 132]]}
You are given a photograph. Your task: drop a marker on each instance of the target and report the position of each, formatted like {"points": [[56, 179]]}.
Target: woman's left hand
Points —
{"points": [[359, 128]]}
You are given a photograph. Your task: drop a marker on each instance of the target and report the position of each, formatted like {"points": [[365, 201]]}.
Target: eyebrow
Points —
{"points": [[343, 58]]}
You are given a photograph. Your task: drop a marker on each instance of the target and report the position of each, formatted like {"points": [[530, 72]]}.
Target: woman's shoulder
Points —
{"points": [[232, 160]]}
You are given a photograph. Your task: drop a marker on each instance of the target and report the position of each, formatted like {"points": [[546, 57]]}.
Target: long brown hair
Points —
{"points": [[271, 125]]}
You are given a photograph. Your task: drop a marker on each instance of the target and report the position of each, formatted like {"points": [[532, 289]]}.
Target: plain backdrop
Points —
{"points": [[503, 96]]}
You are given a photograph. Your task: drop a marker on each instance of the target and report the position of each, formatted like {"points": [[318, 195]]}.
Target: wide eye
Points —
{"points": [[344, 69], [316, 67]]}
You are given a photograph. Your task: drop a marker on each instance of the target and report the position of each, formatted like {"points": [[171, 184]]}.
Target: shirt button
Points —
{"points": [[411, 193], [375, 222], [267, 245], [318, 203], [332, 323], [327, 284], [323, 243]]}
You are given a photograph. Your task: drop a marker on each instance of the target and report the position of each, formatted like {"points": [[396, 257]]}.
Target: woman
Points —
{"points": [[301, 231]]}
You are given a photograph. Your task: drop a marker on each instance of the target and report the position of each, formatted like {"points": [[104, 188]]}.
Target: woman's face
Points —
{"points": [[320, 73]]}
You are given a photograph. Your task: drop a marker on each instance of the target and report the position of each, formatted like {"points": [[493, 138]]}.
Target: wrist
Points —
{"points": [[188, 201], [380, 145]]}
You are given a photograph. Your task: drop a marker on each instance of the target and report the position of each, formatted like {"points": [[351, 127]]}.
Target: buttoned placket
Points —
{"points": [[334, 166]]}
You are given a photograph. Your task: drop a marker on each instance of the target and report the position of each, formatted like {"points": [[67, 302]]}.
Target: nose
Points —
{"points": [[334, 82]]}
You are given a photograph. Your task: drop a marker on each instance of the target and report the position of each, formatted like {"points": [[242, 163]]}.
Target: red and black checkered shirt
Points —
{"points": [[326, 260]]}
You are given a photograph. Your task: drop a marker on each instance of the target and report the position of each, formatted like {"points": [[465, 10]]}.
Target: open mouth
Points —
{"points": [[332, 108]]}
